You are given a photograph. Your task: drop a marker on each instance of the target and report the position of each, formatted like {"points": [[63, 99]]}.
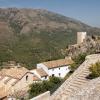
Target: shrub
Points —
{"points": [[50, 85], [95, 70], [77, 61]]}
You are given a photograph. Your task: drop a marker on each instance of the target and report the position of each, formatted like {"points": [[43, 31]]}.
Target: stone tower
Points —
{"points": [[81, 36]]}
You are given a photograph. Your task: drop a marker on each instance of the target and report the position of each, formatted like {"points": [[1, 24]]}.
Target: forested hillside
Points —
{"points": [[31, 36]]}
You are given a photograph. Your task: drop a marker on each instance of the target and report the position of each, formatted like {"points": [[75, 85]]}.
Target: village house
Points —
{"points": [[40, 73], [58, 68], [15, 79]]}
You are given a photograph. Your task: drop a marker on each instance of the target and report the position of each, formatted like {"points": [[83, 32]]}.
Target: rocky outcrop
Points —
{"points": [[89, 46]]}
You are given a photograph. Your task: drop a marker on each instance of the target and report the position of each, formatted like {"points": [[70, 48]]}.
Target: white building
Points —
{"points": [[58, 68], [81, 36], [40, 73]]}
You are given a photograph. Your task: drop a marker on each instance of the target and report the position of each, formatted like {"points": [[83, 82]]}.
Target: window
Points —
{"points": [[45, 77], [59, 74], [53, 75], [26, 77]]}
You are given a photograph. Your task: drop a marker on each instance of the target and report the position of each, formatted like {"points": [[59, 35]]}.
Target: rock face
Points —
{"points": [[70, 89], [90, 45]]}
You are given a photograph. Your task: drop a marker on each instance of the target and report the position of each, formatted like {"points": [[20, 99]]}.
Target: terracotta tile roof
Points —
{"points": [[1, 77], [3, 92], [7, 80], [41, 72], [58, 63], [13, 82], [14, 72], [35, 78]]}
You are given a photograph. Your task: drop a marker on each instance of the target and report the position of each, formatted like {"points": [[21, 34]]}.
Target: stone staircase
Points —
{"points": [[76, 81], [90, 91]]}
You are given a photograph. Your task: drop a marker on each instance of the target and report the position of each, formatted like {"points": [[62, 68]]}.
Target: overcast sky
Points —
{"points": [[87, 11]]}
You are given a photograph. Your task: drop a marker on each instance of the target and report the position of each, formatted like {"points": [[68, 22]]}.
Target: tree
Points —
{"points": [[77, 61], [80, 58], [51, 85]]}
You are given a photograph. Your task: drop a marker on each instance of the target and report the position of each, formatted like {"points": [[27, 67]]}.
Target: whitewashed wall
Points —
{"points": [[62, 70]]}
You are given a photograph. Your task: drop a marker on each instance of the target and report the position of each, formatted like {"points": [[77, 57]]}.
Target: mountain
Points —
{"points": [[31, 36]]}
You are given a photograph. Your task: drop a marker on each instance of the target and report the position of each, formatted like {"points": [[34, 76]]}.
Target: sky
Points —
{"points": [[87, 11]]}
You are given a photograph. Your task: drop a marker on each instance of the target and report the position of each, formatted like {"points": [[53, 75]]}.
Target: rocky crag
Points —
{"points": [[90, 45]]}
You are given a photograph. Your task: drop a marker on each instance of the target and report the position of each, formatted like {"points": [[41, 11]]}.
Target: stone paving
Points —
{"points": [[90, 91]]}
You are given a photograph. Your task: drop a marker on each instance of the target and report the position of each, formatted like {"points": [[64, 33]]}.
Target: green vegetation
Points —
{"points": [[15, 26], [51, 85], [36, 47], [78, 61], [95, 71], [55, 82], [32, 36]]}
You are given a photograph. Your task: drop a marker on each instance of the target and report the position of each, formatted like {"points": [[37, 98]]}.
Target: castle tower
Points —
{"points": [[81, 36]]}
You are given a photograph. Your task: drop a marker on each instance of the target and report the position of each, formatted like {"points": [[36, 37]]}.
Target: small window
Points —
{"points": [[26, 77], [45, 77], [59, 74]]}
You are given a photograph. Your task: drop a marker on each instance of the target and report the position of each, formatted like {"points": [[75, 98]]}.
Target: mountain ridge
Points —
{"points": [[31, 36]]}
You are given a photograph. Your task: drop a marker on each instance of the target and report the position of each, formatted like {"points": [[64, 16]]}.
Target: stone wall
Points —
{"points": [[44, 96]]}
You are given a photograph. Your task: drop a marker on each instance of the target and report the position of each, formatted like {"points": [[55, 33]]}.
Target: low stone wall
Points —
{"points": [[44, 96]]}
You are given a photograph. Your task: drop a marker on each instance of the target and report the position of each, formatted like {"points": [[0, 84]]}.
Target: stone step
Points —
{"points": [[68, 90], [81, 77], [71, 89], [78, 83], [84, 75], [75, 85], [81, 73], [81, 81], [65, 93]]}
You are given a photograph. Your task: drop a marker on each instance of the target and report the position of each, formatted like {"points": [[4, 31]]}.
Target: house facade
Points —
{"points": [[58, 68], [15, 79], [40, 73]]}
